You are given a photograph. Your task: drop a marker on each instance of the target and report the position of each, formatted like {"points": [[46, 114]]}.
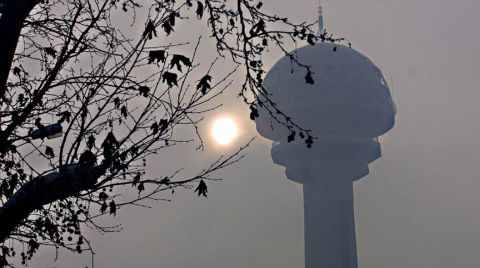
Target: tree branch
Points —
{"points": [[43, 190]]}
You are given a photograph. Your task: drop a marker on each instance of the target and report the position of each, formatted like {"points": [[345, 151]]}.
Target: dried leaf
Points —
{"points": [[170, 78], [177, 59], [50, 51], [309, 78], [200, 9], [49, 152], [204, 84], [144, 90], [150, 30], [202, 188], [156, 56], [113, 208]]}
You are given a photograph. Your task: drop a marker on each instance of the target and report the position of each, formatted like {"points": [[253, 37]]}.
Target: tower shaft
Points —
{"points": [[320, 18], [329, 224]]}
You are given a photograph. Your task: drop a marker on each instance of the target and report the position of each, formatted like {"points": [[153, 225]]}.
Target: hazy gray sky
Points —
{"points": [[419, 207]]}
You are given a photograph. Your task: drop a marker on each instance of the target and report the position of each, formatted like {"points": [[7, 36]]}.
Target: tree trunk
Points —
{"points": [[14, 13]]}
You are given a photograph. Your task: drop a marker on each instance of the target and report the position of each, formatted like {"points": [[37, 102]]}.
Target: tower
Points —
{"points": [[346, 109]]}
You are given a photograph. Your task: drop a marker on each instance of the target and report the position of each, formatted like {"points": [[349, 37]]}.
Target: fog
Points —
{"points": [[418, 208]]}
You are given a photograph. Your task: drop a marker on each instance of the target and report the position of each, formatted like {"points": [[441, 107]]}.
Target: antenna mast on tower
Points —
{"points": [[320, 18]]}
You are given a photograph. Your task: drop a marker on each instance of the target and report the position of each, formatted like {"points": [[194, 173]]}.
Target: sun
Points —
{"points": [[224, 130]]}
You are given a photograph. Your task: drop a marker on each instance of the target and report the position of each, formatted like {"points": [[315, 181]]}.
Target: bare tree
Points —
{"points": [[75, 69]]}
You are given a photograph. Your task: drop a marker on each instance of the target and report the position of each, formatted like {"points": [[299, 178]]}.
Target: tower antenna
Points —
{"points": [[320, 18]]}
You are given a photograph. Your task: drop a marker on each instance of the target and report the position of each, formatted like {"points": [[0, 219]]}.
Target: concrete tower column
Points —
{"points": [[329, 225], [329, 220]]}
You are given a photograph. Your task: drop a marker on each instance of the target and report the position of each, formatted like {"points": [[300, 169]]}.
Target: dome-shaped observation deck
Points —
{"points": [[346, 109], [349, 99]]}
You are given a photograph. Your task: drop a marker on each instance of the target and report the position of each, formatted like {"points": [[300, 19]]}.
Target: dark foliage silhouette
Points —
{"points": [[85, 100], [202, 188]]}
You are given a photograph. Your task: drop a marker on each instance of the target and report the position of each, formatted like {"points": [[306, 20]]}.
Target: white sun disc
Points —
{"points": [[224, 130]]}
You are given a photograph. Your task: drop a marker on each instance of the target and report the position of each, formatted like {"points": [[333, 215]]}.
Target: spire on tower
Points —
{"points": [[320, 18]]}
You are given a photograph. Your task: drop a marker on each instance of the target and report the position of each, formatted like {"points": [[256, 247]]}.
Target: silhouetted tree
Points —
{"points": [[116, 96]]}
